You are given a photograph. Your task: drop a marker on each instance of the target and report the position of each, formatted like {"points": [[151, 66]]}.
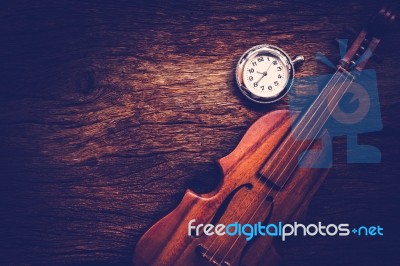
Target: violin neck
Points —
{"points": [[305, 130], [310, 124]]}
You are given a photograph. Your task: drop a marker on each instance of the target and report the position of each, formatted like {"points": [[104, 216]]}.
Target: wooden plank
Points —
{"points": [[109, 111]]}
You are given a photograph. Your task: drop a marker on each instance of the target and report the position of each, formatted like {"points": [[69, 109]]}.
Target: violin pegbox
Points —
{"points": [[363, 47]]}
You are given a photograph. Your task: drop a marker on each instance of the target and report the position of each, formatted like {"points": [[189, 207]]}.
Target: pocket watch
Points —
{"points": [[265, 73]]}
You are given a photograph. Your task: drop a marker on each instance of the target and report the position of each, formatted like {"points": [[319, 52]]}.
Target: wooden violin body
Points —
{"points": [[236, 199]]}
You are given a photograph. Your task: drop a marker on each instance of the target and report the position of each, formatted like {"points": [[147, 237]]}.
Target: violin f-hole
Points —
{"points": [[221, 210], [269, 199]]}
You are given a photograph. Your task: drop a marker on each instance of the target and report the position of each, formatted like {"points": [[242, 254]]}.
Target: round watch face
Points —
{"points": [[264, 73]]}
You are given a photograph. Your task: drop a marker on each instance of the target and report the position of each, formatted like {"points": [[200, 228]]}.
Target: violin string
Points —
{"points": [[259, 178], [292, 158]]}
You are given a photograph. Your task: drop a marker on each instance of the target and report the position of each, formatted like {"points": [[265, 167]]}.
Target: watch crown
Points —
{"points": [[298, 61]]}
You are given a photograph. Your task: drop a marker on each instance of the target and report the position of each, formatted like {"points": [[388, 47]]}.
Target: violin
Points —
{"points": [[262, 181]]}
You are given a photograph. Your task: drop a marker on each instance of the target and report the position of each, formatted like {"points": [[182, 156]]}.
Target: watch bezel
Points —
{"points": [[262, 49]]}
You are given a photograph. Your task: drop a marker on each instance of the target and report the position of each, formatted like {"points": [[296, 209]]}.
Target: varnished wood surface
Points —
{"points": [[110, 110], [243, 197]]}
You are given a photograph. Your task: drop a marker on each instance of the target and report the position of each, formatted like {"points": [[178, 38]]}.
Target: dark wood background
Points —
{"points": [[110, 110]]}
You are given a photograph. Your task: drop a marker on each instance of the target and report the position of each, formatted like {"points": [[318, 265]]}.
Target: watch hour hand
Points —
{"points": [[263, 75]]}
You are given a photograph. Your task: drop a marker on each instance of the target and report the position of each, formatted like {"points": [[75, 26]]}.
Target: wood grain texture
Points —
{"points": [[110, 110]]}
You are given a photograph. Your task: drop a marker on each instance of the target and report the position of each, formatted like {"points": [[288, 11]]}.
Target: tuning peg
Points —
{"points": [[388, 15], [377, 58]]}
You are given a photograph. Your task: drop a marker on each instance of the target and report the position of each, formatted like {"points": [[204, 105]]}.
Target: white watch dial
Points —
{"points": [[265, 75]]}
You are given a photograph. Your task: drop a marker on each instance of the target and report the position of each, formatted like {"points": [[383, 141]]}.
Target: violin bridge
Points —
{"points": [[202, 251]]}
